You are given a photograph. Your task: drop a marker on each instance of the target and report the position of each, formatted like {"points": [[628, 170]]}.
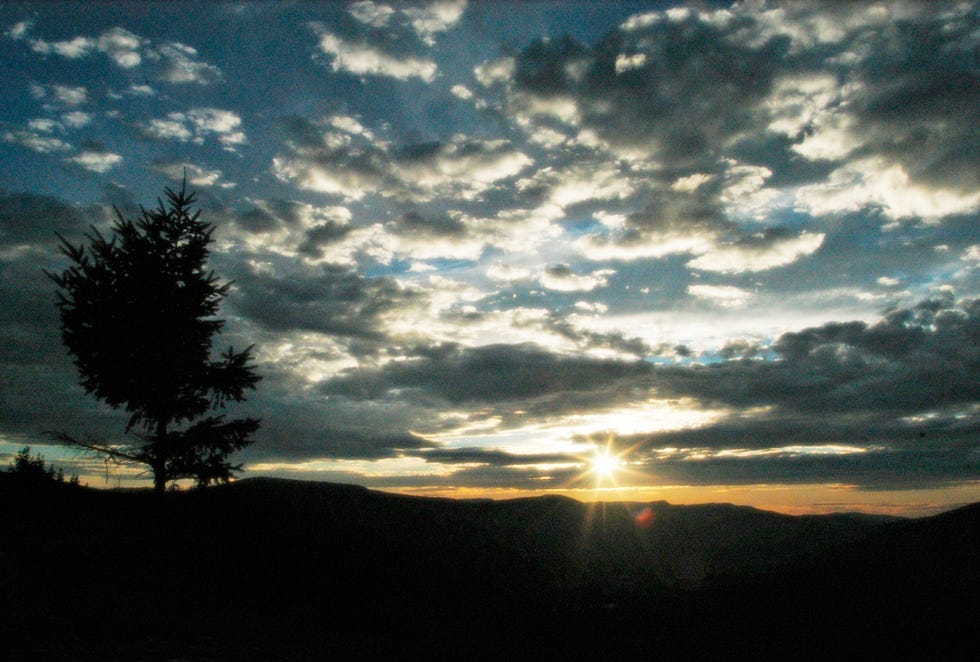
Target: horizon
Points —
{"points": [[695, 252]]}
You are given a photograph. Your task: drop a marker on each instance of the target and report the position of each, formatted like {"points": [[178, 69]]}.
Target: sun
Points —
{"points": [[605, 465]]}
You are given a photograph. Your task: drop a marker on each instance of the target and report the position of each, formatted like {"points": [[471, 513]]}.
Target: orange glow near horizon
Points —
{"points": [[807, 499]]}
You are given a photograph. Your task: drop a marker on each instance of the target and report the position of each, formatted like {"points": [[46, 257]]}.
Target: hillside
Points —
{"points": [[277, 569]]}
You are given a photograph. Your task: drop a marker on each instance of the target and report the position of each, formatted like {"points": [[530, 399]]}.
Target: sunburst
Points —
{"points": [[605, 465]]}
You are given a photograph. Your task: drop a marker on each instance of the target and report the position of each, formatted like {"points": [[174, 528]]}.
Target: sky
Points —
{"points": [[626, 251]]}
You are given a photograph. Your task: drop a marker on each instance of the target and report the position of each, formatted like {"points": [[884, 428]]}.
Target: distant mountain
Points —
{"points": [[277, 569]]}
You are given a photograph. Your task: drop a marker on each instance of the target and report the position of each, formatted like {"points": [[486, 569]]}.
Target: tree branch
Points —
{"points": [[115, 452]]}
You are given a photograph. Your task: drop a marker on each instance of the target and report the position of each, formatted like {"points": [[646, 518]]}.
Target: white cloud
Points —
{"points": [[461, 92], [197, 125], [42, 125], [495, 71], [798, 101], [757, 255], [214, 119], [142, 90], [463, 165], [627, 62], [502, 272], [128, 51], [370, 13], [70, 96], [641, 21], [593, 307], [19, 30], [324, 177], [100, 162], [653, 245], [691, 182], [122, 47], [225, 123], [875, 182], [72, 49], [76, 119], [362, 59], [527, 107], [722, 295], [434, 17], [173, 127], [560, 278], [182, 65], [745, 193], [426, 20], [37, 143], [196, 175], [577, 185]]}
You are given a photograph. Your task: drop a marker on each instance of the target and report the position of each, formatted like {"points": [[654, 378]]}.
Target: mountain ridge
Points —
{"points": [[279, 569]]}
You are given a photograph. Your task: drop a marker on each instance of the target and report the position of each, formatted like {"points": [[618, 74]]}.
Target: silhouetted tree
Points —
{"points": [[138, 316], [29, 467]]}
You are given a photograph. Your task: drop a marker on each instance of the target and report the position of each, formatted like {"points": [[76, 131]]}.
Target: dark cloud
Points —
{"points": [[491, 457], [921, 466], [30, 219], [487, 374], [586, 339], [321, 235], [442, 225], [334, 301], [912, 361], [325, 442], [693, 89], [919, 93]]}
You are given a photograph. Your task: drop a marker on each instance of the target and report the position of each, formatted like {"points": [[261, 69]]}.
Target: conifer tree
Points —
{"points": [[138, 318]]}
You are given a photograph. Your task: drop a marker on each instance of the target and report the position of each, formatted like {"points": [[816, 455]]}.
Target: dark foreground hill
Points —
{"points": [[280, 570]]}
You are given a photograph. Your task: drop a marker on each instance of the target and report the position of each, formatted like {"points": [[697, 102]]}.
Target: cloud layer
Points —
{"points": [[473, 241]]}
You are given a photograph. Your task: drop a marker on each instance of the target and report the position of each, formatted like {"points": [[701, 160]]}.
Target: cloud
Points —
{"points": [[874, 182], [36, 142], [459, 166], [337, 155], [100, 162], [180, 65], [196, 175], [175, 62], [331, 300], [122, 47], [32, 220], [328, 158], [434, 17], [724, 295], [65, 95], [363, 59], [197, 125], [426, 20], [561, 278], [758, 252], [912, 361], [374, 14], [489, 374]]}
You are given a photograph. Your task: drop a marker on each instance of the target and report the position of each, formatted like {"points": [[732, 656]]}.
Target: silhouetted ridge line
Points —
{"points": [[281, 569]]}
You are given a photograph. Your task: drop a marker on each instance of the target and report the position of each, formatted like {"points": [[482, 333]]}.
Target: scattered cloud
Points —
{"points": [[100, 162], [362, 59], [174, 62], [737, 239], [197, 125], [196, 175]]}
